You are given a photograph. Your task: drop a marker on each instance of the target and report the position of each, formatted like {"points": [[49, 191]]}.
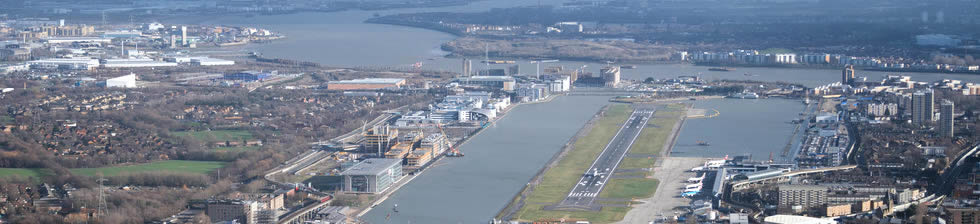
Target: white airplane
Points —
{"points": [[695, 179], [689, 186], [693, 190], [689, 194], [697, 169]]}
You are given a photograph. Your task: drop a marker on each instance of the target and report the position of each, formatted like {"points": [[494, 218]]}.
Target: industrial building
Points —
{"points": [[126, 81], [206, 61], [372, 175], [135, 63], [70, 40], [65, 63], [366, 84], [248, 76]]}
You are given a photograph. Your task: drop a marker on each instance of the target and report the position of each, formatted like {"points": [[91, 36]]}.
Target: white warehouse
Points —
{"points": [[126, 81]]}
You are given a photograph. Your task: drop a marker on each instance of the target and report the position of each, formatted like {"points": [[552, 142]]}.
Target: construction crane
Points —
{"points": [[537, 72], [453, 152]]}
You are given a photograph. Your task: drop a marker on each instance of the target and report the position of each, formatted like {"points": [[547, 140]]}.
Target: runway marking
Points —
{"points": [[584, 181]]}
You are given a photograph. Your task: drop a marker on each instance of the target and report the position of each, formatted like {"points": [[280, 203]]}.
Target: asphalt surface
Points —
{"points": [[595, 178]]}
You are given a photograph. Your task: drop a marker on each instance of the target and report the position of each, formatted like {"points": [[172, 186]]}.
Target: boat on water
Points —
{"points": [[703, 143], [454, 153], [722, 69], [744, 95], [628, 66]]}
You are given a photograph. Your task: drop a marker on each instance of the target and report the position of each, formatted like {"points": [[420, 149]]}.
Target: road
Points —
{"points": [[595, 178], [672, 174]]}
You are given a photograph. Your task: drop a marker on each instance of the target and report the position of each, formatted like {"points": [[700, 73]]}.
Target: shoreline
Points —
{"points": [[518, 201], [515, 205], [457, 34], [408, 178]]}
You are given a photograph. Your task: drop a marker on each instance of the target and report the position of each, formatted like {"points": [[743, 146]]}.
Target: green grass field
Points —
{"points": [[24, 172], [558, 181], [178, 166], [216, 135], [653, 137]]}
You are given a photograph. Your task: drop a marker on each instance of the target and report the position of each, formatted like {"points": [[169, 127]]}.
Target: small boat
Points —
{"points": [[722, 69], [703, 143], [628, 66], [454, 153]]}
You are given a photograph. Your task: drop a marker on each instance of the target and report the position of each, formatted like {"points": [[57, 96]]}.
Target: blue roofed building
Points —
{"points": [[248, 76]]}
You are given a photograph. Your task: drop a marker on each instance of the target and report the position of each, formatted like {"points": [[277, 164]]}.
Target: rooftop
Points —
{"points": [[487, 78], [373, 166], [369, 81]]}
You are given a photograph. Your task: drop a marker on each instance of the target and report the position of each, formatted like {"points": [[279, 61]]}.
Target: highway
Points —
{"points": [[595, 178]]}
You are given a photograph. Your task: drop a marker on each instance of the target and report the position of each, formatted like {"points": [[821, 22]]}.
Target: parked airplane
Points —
{"points": [[689, 194], [696, 188], [693, 190], [689, 186], [695, 179]]}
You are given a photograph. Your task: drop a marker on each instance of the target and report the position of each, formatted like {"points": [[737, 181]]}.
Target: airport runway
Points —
{"points": [[595, 178]]}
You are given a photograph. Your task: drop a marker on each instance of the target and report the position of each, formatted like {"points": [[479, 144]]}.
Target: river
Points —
{"points": [[498, 162], [753, 127], [502, 159]]}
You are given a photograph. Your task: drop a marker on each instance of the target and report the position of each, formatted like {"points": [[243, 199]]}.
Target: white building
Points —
{"points": [[562, 84], [65, 63], [14, 68], [135, 63], [126, 81], [211, 62], [785, 58], [68, 40]]}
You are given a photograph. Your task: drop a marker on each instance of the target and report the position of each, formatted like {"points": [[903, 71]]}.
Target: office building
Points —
{"points": [[366, 84], [946, 109], [922, 107], [847, 75], [372, 175], [610, 75]]}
